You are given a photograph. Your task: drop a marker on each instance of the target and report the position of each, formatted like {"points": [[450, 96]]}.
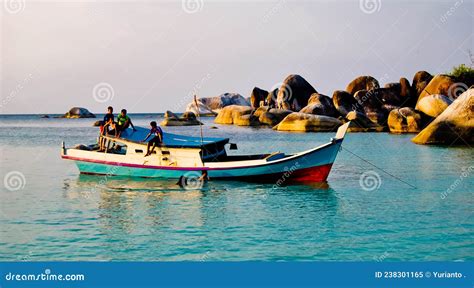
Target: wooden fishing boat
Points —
{"points": [[191, 156]]}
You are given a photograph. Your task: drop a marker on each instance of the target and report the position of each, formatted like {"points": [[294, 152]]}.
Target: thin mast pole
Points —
{"points": [[199, 116]]}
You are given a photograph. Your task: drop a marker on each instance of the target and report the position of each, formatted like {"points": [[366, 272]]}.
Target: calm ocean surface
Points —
{"points": [[53, 213]]}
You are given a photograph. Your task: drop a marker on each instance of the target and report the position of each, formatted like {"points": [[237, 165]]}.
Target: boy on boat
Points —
{"points": [[123, 122], [107, 123], [157, 140]]}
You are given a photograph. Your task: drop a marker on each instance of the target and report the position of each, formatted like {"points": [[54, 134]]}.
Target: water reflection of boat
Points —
{"points": [[191, 156]]}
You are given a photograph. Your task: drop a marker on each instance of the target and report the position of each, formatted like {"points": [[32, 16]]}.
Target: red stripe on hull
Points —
{"points": [[312, 174]]}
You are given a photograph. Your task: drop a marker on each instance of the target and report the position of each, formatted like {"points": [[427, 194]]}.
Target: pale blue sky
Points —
{"points": [[155, 54]]}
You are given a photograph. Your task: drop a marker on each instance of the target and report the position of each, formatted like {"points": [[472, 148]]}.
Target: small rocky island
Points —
{"points": [[439, 108], [78, 112], [187, 119]]}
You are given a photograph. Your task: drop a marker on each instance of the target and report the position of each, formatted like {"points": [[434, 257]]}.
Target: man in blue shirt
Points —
{"points": [[156, 140]]}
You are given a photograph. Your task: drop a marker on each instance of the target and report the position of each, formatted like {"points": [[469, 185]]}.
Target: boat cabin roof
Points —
{"points": [[173, 140]]}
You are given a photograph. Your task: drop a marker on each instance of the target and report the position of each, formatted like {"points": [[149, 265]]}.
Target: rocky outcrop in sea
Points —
{"points": [[397, 107]]}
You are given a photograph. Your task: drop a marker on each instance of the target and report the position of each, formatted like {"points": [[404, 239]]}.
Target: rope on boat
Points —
{"points": [[366, 161]]}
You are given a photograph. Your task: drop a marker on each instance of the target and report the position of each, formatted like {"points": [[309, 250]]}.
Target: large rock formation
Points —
{"points": [[302, 122], [420, 80], [170, 115], [395, 87], [273, 116], [361, 123], [398, 93], [440, 84], [258, 95], [344, 102], [319, 104], [367, 101], [78, 112], [433, 105], [272, 98], [188, 119], [377, 103], [294, 93], [388, 96], [226, 99], [260, 110], [232, 114], [406, 96], [246, 120], [372, 106], [212, 105], [200, 109], [454, 126], [405, 120], [362, 83]]}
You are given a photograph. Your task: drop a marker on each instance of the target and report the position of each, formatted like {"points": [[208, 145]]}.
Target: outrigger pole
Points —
{"points": [[199, 116]]}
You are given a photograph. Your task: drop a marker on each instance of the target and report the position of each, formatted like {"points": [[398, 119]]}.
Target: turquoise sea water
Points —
{"points": [[49, 212]]}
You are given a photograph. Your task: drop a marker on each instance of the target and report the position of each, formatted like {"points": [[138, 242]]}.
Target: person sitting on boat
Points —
{"points": [[156, 140], [107, 123], [123, 122]]}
